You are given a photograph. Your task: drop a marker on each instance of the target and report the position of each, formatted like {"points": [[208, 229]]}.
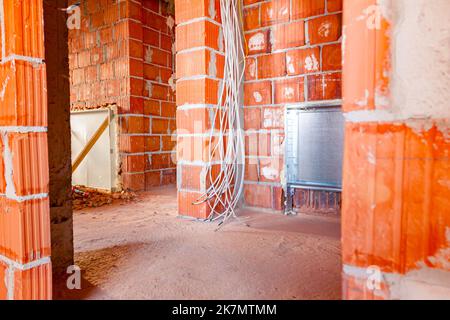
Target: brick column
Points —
{"points": [[396, 197], [25, 267], [200, 62]]}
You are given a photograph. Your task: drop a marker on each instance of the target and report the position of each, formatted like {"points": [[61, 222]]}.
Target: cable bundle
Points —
{"points": [[226, 144]]}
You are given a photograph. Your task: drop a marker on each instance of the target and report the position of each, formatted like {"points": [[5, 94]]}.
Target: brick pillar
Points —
{"points": [[25, 267], [200, 62], [396, 197]]}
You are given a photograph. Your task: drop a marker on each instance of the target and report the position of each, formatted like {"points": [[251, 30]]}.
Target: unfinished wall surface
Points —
{"points": [[293, 56], [60, 169], [200, 59], [396, 198], [122, 54], [25, 267], [153, 86]]}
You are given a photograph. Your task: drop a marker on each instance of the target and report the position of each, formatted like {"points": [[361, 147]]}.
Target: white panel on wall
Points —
{"points": [[98, 169]]}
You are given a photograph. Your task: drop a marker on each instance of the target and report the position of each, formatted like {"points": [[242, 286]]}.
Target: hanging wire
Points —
{"points": [[226, 144]]}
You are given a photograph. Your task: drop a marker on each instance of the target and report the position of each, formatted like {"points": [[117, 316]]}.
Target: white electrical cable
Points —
{"points": [[226, 144]]}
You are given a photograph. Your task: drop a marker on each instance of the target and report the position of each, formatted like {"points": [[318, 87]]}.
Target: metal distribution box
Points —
{"points": [[314, 147]]}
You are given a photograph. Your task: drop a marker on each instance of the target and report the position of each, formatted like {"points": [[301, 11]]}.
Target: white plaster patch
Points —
{"points": [[270, 173], [170, 22], [382, 100], [257, 42], [273, 118], [421, 74], [311, 63], [212, 69], [257, 96], [252, 69], [9, 280], [3, 89], [149, 87], [325, 29], [172, 83], [277, 142], [220, 40], [424, 283], [365, 101], [288, 93], [8, 163], [212, 9], [290, 64], [148, 55]]}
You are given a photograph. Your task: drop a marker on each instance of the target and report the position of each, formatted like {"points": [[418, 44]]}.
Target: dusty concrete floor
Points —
{"points": [[142, 250]]}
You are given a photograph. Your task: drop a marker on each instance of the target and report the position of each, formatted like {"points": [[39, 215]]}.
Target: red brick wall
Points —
{"points": [[123, 55], [25, 267], [293, 55]]}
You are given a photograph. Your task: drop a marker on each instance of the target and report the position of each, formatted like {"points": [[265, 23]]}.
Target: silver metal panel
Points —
{"points": [[314, 147], [98, 169]]}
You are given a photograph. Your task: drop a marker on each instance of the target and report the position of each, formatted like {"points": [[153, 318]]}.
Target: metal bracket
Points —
{"points": [[289, 201]]}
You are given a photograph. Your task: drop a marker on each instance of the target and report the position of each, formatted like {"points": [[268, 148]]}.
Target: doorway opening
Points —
{"points": [[120, 68]]}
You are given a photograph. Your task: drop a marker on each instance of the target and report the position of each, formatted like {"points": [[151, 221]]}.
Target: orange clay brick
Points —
{"points": [[200, 62], [258, 42], [190, 9], [288, 35], [334, 5], [24, 32], [251, 18], [198, 34], [23, 99], [186, 206], [325, 29], [289, 90], [33, 284], [307, 8], [324, 86], [201, 91], [24, 227], [198, 120], [381, 191], [332, 57], [30, 162], [275, 11], [303, 61], [257, 93], [272, 65]]}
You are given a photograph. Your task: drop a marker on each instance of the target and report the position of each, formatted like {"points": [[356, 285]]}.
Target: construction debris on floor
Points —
{"points": [[85, 197], [94, 107]]}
